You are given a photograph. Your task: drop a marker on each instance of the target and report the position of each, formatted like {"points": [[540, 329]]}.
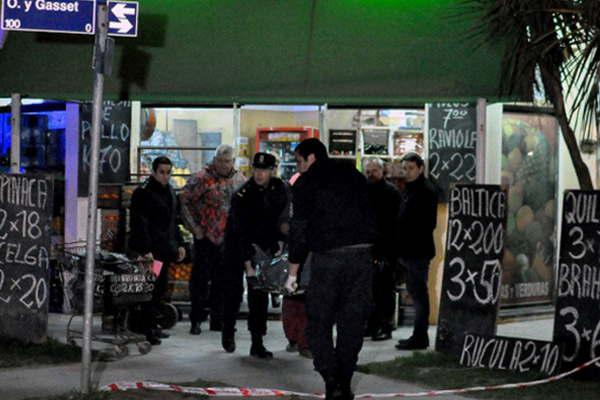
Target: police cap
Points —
{"points": [[263, 161]]}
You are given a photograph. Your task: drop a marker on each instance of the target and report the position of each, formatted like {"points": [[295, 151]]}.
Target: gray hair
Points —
{"points": [[375, 160], [224, 150]]}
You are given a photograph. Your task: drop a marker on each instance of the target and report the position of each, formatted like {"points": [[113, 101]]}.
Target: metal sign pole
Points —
{"points": [[98, 62], [481, 140], [15, 147]]}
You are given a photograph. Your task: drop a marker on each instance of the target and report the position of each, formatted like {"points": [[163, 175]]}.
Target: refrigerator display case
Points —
{"points": [[281, 142]]}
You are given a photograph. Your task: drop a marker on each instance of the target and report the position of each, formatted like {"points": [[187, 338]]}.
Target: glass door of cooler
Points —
{"points": [[285, 154]]}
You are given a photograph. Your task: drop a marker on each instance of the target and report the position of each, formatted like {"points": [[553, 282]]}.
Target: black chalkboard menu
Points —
{"points": [[114, 144], [452, 138], [25, 230], [510, 354], [472, 266], [577, 315], [342, 142]]}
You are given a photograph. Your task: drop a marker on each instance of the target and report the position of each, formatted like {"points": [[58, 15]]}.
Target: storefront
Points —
{"points": [[396, 57], [523, 152]]}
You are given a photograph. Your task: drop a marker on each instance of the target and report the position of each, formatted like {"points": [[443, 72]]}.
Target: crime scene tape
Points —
{"points": [[258, 392]]}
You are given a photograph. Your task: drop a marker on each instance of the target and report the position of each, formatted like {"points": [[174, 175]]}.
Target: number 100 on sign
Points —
{"points": [[62, 16]]}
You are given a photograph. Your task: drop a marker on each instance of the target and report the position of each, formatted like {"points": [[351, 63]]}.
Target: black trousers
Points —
{"points": [[206, 269], [258, 303], [384, 298], [417, 272], [144, 319], [339, 293]]}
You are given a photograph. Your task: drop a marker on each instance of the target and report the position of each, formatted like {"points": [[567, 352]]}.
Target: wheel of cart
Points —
{"points": [[168, 315], [119, 285]]}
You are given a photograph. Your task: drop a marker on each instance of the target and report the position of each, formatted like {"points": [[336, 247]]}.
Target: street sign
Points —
{"points": [[123, 18], [63, 16]]}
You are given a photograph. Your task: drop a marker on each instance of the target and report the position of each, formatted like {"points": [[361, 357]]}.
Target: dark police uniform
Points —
{"points": [[254, 220], [332, 218]]}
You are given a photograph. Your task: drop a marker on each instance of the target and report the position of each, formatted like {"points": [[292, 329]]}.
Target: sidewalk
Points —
{"points": [[185, 358]]}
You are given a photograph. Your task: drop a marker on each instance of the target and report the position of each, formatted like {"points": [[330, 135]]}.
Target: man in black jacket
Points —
{"points": [[332, 218], [385, 199], [416, 222], [155, 235], [253, 225]]}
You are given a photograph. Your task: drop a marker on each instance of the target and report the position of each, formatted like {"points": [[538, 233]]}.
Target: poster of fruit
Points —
{"points": [[529, 173]]}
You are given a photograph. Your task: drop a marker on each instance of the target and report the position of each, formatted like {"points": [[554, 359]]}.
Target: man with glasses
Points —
{"points": [[205, 201], [155, 235]]}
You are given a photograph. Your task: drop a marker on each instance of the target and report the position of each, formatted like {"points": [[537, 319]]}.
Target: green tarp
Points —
{"points": [[341, 52]]}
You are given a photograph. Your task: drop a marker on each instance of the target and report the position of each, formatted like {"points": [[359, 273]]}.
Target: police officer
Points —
{"points": [[253, 225]]}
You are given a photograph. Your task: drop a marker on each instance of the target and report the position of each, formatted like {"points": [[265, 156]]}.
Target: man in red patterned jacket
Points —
{"points": [[205, 202]]}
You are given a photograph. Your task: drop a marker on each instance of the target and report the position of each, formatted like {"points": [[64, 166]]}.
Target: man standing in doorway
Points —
{"points": [[205, 201], [415, 224], [253, 227], [155, 235], [332, 218], [385, 199]]}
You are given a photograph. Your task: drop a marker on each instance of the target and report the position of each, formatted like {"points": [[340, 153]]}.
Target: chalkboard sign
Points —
{"points": [[472, 266], [511, 354], [115, 136], [25, 230], [577, 318], [342, 142], [452, 138], [131, 288]]}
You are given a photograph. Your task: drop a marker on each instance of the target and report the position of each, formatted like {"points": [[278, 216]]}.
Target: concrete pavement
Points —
{"points": [[185, 358]]}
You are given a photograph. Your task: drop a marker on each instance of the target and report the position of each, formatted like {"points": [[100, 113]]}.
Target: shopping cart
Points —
{"points": [[120, 284]]}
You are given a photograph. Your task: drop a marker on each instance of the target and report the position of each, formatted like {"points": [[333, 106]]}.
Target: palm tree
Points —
{"points": [[552, 45]]}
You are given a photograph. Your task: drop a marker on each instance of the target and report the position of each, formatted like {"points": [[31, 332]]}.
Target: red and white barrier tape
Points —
{"points": [[257, 392]]}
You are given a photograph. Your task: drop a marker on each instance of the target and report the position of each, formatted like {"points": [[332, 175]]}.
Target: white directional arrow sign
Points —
{"points": [[122, 18]]}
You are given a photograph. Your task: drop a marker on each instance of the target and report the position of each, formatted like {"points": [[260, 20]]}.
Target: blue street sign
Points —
{"points": [[123, 18], [65, 16]]}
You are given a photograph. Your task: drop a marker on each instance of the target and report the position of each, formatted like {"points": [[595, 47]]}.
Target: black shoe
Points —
{"points": [[153, 340], [345, 394], [159, 333], [195, 329], [228, 343], [332, 390], [275, 301], [259, 351], [292, 347], [381, 335], [413, 344]]}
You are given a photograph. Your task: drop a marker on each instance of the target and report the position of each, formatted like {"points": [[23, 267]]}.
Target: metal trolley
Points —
{"points": [[121, 284]]}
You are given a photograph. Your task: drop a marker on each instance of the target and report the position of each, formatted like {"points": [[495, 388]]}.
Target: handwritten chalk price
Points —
{"points": [[28, 290], [485, 284], [580, 334]]}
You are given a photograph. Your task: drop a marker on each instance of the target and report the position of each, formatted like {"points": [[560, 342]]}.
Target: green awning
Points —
{"points": [[341, 52]]}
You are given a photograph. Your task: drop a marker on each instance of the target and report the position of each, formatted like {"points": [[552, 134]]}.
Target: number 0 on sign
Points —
{"points": [[61, 16]]}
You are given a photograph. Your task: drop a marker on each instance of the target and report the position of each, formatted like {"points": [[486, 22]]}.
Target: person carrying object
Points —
{"points": [[155, 235], [253, 230]]}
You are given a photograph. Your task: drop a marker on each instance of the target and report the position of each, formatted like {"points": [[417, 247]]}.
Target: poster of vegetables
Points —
{"points": [[529, 173]]}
